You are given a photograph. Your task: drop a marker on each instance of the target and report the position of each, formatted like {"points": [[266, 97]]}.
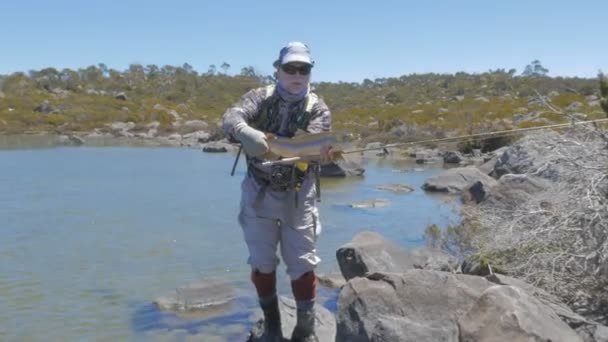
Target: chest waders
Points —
{"points": [[283, 177]]}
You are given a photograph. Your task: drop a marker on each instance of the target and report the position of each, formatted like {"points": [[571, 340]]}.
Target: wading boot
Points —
{"points": [[305, 327], [272, 320]]}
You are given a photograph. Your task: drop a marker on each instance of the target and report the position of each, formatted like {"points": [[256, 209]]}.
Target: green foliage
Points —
{"points": [[535, 69], [375, 108], [433, 235], [604, 92]]}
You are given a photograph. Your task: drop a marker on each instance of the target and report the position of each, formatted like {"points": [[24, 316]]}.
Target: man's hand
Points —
{"points": [[253, 141], [327, 155]]}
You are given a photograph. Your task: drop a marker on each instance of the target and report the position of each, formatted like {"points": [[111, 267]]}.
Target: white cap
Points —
{"points": [[294, 52]]}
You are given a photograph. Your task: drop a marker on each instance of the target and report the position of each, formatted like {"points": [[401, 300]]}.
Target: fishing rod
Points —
{"points": [[478, 135], [457, 138]]}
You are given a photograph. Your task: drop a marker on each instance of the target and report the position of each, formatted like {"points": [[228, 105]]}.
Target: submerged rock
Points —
{"points": [[396, 188], [199, 296], [371, 203]]}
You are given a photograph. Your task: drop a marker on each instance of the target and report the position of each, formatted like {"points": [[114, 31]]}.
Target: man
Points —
{"points": [[278, 202]]}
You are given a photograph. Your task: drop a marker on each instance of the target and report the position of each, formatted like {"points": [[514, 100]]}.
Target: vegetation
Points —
{"points": [[433, 104]]}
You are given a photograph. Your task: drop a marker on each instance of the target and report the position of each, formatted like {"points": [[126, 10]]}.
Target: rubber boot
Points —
{"points": [[305, 327], [272, 320]]}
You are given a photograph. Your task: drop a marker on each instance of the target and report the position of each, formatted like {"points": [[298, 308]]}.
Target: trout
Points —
{"points": [[302, 147]]}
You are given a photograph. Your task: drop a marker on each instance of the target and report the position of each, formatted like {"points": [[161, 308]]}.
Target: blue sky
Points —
{"points": [[350, 40]]}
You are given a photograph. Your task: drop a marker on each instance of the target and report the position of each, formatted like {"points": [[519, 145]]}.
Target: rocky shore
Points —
{"points": [[526, 264]]}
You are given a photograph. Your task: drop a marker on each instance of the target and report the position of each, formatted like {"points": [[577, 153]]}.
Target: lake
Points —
{"points": [[92, 235]]}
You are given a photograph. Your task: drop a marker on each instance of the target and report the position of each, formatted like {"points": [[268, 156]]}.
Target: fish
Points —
{"points": [[302, 147]]}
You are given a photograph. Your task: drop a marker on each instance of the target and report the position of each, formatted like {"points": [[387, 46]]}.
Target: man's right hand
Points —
{"points": [[253, 140]]}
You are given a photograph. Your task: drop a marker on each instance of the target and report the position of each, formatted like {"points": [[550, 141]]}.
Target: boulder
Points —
{"points": [[121, 96], [216, 147], [458, 179], [416, 305], [423, 305], [452, 157], [370, 252], [341, 168], [510, 314]]}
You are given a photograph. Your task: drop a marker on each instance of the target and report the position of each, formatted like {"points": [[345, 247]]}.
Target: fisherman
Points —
{"points": [[278, 202]]}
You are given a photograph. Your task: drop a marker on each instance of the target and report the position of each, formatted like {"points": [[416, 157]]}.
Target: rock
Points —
{"points": [[574, 106], [475, 193], [473, 265], [372, 203], [370, 252], [121, 126], [215, 147], [512, 314], [422, 305], [458, 179], [452, 157], [331, 280], [529, 155], [200, 296], [121, 96], [45, 107], [417, 305], [195, 138], [196, 124], [342, 168], [325, 323], [396, 188]]}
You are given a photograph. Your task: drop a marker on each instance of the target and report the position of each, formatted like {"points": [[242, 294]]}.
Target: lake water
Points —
{"points": [[90, 236]]}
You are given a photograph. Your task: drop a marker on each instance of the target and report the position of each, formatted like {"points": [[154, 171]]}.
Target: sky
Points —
{"points": [[349, 40]]}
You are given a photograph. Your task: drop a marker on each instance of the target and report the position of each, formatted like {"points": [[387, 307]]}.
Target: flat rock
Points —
{"points": [[371, 203]]}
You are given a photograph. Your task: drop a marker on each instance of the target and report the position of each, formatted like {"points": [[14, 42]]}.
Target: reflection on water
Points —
{"points": [[93, 235]]}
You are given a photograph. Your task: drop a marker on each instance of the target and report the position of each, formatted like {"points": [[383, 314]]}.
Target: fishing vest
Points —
{"points": [[268, 115], [285, 177]]}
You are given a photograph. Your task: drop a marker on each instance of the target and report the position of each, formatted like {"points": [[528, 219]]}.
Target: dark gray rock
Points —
{"points": [[342, 169], [215, 147], [45, 107], [475, 193], [121, 96], [458, 179], [452, 157], [370, 252]]}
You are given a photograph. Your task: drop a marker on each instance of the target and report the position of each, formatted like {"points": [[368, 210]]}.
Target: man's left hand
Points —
{"points": [[327, 155]]}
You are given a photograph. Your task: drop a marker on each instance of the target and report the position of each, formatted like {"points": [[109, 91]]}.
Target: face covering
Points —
{"points": [[289, 97]]}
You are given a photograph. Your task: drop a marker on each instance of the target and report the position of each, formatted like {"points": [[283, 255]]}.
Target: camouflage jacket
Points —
{"points": [[251, 105]]}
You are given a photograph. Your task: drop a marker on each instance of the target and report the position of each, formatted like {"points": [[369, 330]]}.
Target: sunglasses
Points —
{"points": [[292, 69]]}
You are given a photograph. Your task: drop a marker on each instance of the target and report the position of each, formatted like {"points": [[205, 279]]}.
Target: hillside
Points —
{"points": [[405, 107]]}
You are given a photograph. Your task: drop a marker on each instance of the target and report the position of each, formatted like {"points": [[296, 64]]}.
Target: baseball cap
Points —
{"points": [[294, 52]]}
